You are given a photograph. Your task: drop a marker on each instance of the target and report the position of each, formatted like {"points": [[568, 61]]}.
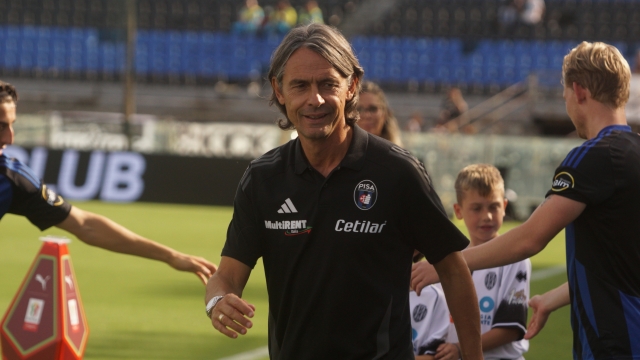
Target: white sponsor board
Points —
{"points": [[225, 140]]}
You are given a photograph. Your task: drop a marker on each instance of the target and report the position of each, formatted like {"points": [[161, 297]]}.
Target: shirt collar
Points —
{"points": [[354, 158], [625, 128]]}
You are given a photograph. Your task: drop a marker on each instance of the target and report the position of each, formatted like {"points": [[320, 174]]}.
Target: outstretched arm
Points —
{"points": [[463, 303], [229, 315], [543, 305], [522, 242], [102, 232]]}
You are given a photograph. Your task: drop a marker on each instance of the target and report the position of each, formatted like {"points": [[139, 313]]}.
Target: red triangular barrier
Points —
{"points": [[46, 320]]}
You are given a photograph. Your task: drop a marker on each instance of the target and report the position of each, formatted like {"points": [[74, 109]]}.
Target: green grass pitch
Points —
{"points": [[142, 309]]}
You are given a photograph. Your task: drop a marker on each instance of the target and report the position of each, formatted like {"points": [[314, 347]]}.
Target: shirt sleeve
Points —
{"points": [[425, 223], [243, 235], [514, 297], [33, 199], [585, 175]]}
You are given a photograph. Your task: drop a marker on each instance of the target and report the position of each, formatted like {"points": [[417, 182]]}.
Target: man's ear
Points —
{"points": [[352, 88], [277, 90], [581, 92]]}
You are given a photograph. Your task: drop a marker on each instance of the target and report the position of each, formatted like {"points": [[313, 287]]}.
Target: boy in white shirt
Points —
{"points": [[503, 292]]}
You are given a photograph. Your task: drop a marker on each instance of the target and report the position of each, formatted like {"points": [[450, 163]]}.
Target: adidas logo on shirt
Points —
{"points": [[287, 207]]}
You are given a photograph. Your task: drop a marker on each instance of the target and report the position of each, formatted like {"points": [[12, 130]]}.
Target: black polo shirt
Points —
{"points": [[603, 245], [22, 193], [337, 251]]}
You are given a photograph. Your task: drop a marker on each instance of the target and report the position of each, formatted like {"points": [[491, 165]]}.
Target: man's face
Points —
{"points": [[314, 94], [7, 118]]}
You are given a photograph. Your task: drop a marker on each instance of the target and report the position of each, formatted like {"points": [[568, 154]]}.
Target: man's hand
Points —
{"points": [[195, 264], [230, 314], [447, 351], [538, 319], [423, 274]]}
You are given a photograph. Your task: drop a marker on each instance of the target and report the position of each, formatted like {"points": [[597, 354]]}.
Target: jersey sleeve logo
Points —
{"points": [[51, 197], [490, 280], [419, 312], [365, 194], [562, 181]]}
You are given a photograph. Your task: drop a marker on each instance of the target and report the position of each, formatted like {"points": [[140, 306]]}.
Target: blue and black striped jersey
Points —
{"points": [[603, 243], [22, 193]]}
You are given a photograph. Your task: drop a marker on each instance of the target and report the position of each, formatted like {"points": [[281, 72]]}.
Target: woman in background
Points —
{"points": [[375, 115]]}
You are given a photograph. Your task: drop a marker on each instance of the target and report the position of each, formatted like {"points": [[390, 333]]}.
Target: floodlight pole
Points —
{"points": [[129, 71]]}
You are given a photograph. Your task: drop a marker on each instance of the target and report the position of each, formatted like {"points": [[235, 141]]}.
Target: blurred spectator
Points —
{"points": [[527, 12], [531, 11], [508, 15], [250, 18], [375, 115], [311, 14], [415, 122], [452, 109], [283, 19]]}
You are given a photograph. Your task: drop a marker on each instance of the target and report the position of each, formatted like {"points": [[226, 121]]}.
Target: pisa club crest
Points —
{"points": [[365, 194]]}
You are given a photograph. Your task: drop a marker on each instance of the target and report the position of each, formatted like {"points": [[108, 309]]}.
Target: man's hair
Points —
{"points": [[390, 130], [8, 93], [601, 69], [327, 42], [483, 178]]}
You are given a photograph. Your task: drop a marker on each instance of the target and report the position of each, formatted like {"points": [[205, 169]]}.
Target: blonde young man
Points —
{"points": [[502, 291], [595, 196]]}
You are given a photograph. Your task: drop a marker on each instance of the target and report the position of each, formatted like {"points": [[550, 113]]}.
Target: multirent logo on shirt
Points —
{"points": [[292, 227], [286, 225], [359, 226]]}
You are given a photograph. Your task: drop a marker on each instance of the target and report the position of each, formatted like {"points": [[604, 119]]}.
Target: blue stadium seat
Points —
{"points": [[173, 52], [143, 51], [28, 33], [76, 55], [158, 52], [13, 32], [208, 54], [43, 48], [358, 43], [190, 53], [27, 54], [474, 75], [59, 54], [107, 63], [9, 55]]}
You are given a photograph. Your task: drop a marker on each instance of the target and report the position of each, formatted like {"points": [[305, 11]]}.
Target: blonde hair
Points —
{"points": [[483, 178], [390, 129], [601, 69]]}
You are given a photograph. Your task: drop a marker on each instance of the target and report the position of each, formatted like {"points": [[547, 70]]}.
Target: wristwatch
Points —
{"points": [[209, 308]]}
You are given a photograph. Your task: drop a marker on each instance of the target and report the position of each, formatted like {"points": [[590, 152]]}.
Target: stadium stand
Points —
{"points": [[422, 44]]}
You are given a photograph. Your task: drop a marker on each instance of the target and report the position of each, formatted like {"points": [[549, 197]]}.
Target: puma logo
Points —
{"points": [[43, 281], [69, 282]]}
